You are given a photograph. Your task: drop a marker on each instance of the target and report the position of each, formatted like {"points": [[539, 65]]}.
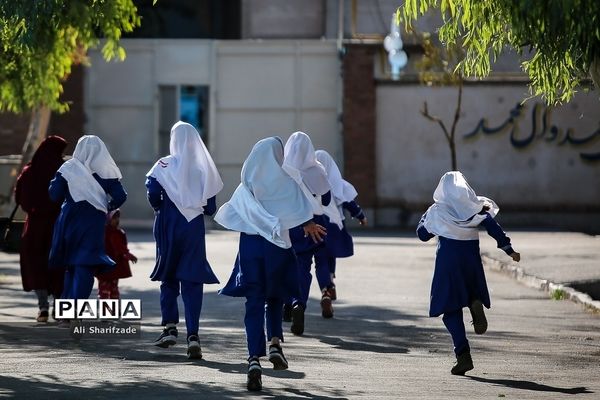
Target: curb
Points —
{"points": [[545, 285]]}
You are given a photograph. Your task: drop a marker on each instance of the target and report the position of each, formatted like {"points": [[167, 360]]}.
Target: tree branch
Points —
{"points": [[425, 113]]}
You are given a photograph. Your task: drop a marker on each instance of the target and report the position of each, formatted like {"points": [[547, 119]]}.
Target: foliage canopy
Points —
{"points": [[41, 40], [558, 40]]}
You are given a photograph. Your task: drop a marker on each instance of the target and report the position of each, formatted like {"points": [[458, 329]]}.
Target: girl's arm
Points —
{"points": [[422, 232], [58, 188], [495, 230], [355, 211], [117, 193], [154, 191], [211, 206]]}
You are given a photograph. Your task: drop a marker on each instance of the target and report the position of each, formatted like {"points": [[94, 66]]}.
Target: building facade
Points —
{"points": [[247, 69]]}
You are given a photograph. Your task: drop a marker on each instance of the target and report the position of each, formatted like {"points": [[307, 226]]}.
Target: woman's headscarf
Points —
{"points": [[268, 202], [301, 164], [455, 213], [90, 157], [47, 159], [188, 175], [341, 190]]}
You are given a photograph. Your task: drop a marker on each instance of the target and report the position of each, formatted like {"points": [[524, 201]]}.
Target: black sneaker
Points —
{"points": [[297, 327], [464, 363], [194, 351], [254, 383], [167, 338], [287, 313], [277, 358], [479, 321], [326, 304]]}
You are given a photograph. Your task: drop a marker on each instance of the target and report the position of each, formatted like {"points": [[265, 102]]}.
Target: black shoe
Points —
{"points": [[254, 383], [167, 338], [287, 313], [464, 363], [194, 351], [277, 358], [297, 327], [479, 321], [42, 316], [326, 305]]}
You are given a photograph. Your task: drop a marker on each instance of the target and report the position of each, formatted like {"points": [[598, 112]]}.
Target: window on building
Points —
{"points": [[179, 19], [186, 103]]}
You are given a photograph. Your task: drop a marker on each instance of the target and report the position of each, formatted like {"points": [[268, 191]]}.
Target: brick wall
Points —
{"points": [[359, 130]]}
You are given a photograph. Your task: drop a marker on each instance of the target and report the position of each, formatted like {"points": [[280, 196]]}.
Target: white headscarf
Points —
{"points": [[455, 213], [188, 175], [302, 165], [90, 157], [268, 202], [341, 190]]}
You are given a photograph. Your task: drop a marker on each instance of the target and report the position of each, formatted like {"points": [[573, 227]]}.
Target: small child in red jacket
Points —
{"points": [[116, 247]]}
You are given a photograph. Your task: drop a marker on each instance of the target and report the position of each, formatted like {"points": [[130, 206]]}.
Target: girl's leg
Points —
{"points": [[455, 325], [273, 317], [191, 293], [305, 277], [104, 289], [114, 290], [332, 267], [83, 281], [254, 320], [169, 291], [275, 333], [67, 292], [322, 268]]}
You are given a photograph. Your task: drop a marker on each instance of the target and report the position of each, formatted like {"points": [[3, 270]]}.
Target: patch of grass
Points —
{"points": [[558, 294]]}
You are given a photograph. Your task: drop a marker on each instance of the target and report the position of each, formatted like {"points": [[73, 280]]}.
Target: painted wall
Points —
{"points": [[524, 168], [257, 89]]}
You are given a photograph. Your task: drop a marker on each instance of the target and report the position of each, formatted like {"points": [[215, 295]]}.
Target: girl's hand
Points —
{"points": [[363, 222], [516, 256], [316, 231], [132, 258]]}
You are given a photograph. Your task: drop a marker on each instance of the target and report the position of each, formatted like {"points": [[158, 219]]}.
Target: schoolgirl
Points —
{"points": [[181, 190], [458, 278], [301, 164], [339, 242], [263, 208], [89, 186]]}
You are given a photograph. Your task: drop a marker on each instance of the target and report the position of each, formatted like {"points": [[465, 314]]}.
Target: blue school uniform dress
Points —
{"points": [[181, 189], [78, 238], [263, 208], [458, 278], [338, 244]]}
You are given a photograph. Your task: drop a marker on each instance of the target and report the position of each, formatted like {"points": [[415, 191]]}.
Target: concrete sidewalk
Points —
{"points": [[381, 344], [567, 263]]}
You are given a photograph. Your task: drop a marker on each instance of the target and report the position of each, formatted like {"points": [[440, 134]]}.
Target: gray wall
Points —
{"points": [[545, 175], [257, 89]]}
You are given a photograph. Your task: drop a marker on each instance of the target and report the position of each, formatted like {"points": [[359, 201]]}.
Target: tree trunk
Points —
{"points": [[38, 126], [451, 140], [595, 72]]}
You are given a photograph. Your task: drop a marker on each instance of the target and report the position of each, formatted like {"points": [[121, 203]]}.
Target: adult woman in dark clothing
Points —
{"points": [[31, 194]]}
